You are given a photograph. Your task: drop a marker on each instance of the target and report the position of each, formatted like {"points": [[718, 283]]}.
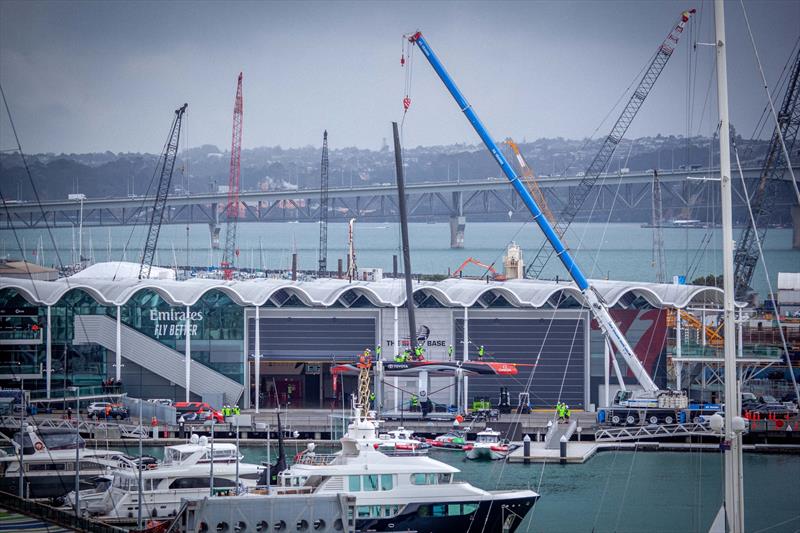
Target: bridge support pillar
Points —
{"points": [[213, 227], [796, 227], [457, 225], [458, 221]]}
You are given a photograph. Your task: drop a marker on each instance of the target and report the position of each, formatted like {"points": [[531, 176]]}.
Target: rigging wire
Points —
{"points": [[771, 104], [766, 272], [34, 286]]}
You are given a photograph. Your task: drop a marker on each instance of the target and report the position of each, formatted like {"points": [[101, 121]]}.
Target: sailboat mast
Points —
{"points": [[734, 504]]}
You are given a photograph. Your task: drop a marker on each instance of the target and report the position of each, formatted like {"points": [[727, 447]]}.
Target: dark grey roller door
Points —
{"points": [[559, 373], [312, 339]]}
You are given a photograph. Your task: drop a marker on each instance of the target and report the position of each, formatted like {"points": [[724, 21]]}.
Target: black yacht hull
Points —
{"points": [[491, 516], [52, 486]]}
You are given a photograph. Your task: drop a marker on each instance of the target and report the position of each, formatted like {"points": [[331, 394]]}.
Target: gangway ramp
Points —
{"points": [[154, 356], [626, 433], [552, 440]]}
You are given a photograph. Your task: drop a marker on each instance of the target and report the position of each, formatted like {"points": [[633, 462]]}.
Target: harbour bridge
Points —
{"points": [[692, 193]]}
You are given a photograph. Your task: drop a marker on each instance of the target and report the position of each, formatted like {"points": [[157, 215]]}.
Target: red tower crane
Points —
{"points": [[231, 251]]}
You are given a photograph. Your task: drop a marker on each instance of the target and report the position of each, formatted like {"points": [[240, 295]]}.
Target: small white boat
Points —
{"points": [[401, 441], [487, 446]]}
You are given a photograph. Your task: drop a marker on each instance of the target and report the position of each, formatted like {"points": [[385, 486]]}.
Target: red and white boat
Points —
{"points": [[401, 441]]}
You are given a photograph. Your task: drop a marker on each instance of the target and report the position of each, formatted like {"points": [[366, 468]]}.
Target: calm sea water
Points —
{"points": [[632, 491], [617, 251]]}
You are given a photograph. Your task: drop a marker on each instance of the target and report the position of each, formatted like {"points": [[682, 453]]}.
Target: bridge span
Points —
{"points": [[453, 200]]}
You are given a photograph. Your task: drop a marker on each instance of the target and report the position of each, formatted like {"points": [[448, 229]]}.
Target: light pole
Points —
{"points": [[77, 453]]}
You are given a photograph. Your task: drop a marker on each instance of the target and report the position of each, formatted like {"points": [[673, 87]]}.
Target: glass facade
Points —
{"points": [[217, 328], [22, 351], [217, 333]]}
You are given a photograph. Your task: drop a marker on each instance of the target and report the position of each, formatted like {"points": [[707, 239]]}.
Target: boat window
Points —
{"points": [[444, 479], [354, 483], [46, 466], [363, 511], [469, 508], [439, 510], [424, 510], [122, 482], [370, 482], [200, 483], [423, 479], [454, 509], [386, 482], [172, 456]]}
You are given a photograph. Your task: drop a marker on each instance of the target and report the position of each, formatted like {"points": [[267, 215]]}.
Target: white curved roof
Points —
{"points": [[385, 293]]}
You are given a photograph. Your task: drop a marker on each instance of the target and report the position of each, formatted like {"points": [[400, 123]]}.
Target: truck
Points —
{"points": [[629, 409]]}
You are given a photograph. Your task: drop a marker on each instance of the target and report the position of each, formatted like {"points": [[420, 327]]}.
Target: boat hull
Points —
{"points": [[491, 516], [51, 486], [485, 454]]}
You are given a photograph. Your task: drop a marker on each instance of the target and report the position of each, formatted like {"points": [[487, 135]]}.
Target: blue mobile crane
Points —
{"points": [[629, 405]]}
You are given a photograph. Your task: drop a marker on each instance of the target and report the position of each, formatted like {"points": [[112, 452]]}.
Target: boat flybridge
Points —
{"points": [[48, 463], [185, 473], [401, 493]]}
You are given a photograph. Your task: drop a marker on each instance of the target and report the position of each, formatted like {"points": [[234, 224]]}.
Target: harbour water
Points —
{"points": [[633, 492], [618, 251]]}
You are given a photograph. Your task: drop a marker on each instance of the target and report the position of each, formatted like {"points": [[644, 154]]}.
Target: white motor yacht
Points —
{"points": [[185, 472], [48, 463], [407, 493]]}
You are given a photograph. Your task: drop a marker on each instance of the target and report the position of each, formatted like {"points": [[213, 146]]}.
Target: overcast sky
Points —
{"points": [[95, 76]]}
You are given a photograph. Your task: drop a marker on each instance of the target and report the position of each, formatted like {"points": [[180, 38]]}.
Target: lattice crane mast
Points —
{"points": [[658, 259], [578, 194], [530, 181], [231, 252], [167, 164], [594, 301], [323, 208], [745, 257]]}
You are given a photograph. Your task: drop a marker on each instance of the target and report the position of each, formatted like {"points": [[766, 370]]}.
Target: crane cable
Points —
{"points": [[766, 270]]}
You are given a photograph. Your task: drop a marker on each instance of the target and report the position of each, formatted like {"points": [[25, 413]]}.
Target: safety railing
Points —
{"points": [[651, 432]]}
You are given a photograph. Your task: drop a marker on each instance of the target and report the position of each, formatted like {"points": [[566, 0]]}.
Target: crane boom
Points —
{"points": [[231, 251], [167, 162], [596, 305], [530, 181], [775, 166], [578, 194], [323, 208]]}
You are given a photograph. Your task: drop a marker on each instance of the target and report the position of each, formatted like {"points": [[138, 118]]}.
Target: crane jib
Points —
{"points": [[530, 203]]}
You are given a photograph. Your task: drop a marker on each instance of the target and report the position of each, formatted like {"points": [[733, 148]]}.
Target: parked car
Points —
{"points": [[161, 401], [107, 410]]}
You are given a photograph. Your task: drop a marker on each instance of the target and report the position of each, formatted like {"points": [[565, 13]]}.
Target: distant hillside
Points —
{"points": [[203, 168]]}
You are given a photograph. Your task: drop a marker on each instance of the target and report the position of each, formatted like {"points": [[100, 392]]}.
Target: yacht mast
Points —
{"points": [[734, 505]]}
